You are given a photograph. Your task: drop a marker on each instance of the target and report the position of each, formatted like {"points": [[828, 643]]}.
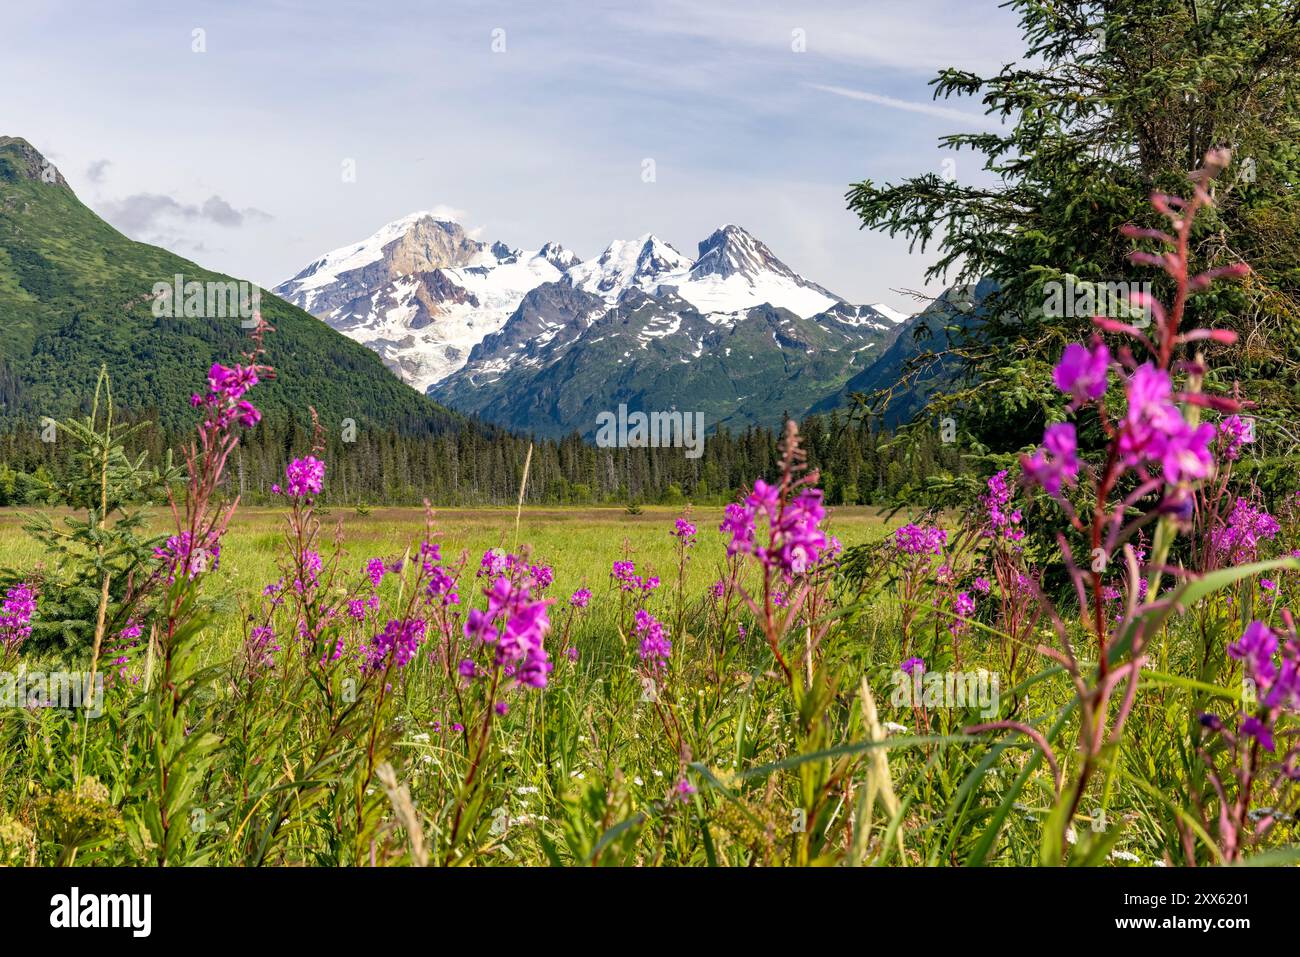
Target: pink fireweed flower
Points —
{"points": [[795, 540], [117, 651], [683, 791], [542, 576], [1285, 691], [16, 616], [1235, 432], [492, 565], [1268, 590], [231, 383], [1081, 373], [580, 598], [764, 496], [1023, 586], [246, 415], [306, 476], [224, 403], [914, 540], [441, 587], [1004, 523], [375, 571], [654, 646], [329, 654], [717, 589], [1256, 648], [1151, 414], [912, 665], [982, 585], [684, 532], [523, 625], [830, 556], [478, 625], [1253, 727], [179, 551], [261, 646], [1187, 456], [430, 555], [964, 607], [738, 522], [624, 574], [1248, 525], [312, 564], [1155, 432], [1056, 462], [521, 644], [400, 639]]}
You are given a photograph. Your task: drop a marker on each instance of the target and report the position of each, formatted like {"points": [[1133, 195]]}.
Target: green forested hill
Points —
{"points": [[75, 293]]}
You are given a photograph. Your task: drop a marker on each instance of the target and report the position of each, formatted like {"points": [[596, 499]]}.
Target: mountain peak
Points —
{"points": [[558, 256], [419, 242], [504, 253], [626, 263], [20, 160], [732, 250]]}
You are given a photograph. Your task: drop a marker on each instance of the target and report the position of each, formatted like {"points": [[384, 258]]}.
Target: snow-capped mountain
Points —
{"points": [[733, 272], [566, 355], [421, 292], [486, 327], [626, 264]]}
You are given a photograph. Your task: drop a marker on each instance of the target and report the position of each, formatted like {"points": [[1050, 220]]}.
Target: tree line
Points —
{"points": [[859, 462]]}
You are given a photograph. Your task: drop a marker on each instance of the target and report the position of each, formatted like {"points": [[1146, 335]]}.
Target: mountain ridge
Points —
{"points": [[478, 328]]}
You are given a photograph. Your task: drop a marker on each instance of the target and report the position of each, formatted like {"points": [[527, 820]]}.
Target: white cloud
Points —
{"points": [[142, 214], [928, 109], [917, 36]]}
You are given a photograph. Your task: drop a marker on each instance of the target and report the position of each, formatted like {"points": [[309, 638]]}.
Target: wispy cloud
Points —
{"points": [[141, 214], [95, 171], [915, 36], [928, 109]]}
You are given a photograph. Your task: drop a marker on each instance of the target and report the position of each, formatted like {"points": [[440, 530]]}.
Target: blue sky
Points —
{"points": [[234, 156]]}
